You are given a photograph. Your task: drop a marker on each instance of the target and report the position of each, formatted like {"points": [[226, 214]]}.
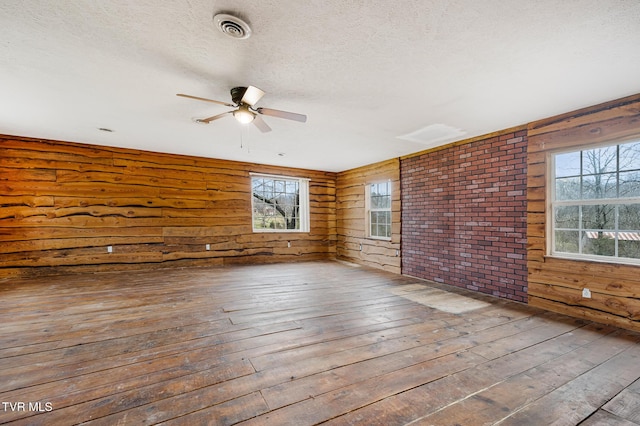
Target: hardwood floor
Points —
{"points": [[301, 344]]}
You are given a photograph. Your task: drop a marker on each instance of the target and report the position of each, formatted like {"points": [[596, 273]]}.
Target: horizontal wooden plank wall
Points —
{"points": [[62, 204], [351, 214], [556, 284]]}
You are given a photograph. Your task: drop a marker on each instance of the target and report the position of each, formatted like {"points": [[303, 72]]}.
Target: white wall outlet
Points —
{"points": [[109, 249], [360, 247], [288, 243], [207, 247], [586, 293]]}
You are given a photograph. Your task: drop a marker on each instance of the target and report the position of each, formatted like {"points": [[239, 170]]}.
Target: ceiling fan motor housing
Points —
{"points": [[237, 93]]}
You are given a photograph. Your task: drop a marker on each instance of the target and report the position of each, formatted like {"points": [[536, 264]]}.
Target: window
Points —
{"points": [[280, 204], [379, 210], [596, 203]]}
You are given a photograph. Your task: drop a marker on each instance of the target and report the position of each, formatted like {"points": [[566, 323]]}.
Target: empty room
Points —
{"points": [[224, 212]]}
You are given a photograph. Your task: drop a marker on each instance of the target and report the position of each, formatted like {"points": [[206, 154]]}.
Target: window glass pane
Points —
{"points": [[600, 160], [375, 202], [602, 216], [629, 184], [568, 164], [630, 156], [629, 217], [629, 248], [567, 217], [599, 243], [599, 186], [386, 202], [379, 189], [567, 241], [568, 188]]}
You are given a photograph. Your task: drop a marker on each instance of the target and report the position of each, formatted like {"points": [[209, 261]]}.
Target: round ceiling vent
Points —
{"points": [[232, 26]]}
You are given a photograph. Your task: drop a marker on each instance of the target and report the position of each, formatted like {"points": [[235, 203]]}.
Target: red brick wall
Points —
{"points": [[464, 216]]}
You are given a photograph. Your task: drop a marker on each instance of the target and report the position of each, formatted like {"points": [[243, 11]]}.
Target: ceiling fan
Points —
{"points": [[244, 99]]}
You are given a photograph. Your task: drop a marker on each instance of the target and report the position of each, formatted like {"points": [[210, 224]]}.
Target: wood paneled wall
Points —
{"points": [[62, 204], [556, 284], [351, 216]]}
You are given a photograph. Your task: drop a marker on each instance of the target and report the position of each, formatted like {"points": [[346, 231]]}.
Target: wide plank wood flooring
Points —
{"points": [[300, 344]]}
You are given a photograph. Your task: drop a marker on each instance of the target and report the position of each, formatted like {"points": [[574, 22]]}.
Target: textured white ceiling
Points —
{"points": [[365, 72]]}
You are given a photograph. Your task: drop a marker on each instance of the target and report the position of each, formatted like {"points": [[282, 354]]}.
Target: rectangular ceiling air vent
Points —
{"points": [[434, 135]]}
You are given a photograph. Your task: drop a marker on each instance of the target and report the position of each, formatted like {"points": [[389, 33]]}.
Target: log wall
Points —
{"points": [[62, 204], [554, 283], [353, 243]]}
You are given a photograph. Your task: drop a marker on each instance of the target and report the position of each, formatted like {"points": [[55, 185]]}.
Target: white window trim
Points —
{"points": [[368, 209], [552, 203], [303, 187]]}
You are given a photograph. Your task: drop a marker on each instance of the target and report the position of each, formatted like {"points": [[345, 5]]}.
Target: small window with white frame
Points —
{"points": [[378, 203], [279, 203], [595, 203]]}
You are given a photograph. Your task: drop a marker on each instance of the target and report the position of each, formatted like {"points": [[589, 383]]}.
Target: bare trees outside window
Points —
{"points": [[279, 204], [596, 202]]}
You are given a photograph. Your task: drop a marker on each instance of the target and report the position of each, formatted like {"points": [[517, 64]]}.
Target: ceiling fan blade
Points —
{"points": [[261, 124], [282, 114], [252, 95], [205, 99], [215, 117]]}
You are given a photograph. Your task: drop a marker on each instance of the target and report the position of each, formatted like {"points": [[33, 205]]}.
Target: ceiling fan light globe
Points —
{"points": [[243, 116]]}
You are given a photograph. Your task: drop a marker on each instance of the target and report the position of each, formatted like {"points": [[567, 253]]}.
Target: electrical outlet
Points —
{"points": [[109, 249], [360, 247], [397, 253], [207, 247], [288, 243], [586, 293]]}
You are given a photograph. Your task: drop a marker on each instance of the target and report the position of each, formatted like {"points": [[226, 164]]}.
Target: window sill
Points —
{"points": [[594, 259], [379, 238], [280, 231]]}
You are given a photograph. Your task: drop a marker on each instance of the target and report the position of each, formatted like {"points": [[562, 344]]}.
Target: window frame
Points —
{"points": [[586, 202], [303, 203], [369, 210]]}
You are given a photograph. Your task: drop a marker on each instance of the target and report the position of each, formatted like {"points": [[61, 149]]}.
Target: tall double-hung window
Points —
{"points": [[595, 203], [379, 210]]}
